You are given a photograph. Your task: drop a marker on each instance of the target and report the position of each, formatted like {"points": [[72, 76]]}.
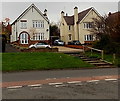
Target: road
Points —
{"points": [[85, 90], [61, 84], [39, 75]]}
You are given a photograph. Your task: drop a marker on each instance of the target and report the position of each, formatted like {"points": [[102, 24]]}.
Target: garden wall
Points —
{"points": [[75, 46]]}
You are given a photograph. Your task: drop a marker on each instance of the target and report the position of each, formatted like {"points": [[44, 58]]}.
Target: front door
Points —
{"points": [[24, 38]]}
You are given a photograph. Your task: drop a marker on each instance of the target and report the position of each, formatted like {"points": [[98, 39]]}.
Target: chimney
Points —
{"points": [[109, 13], [75, 15], [62, 14], [45, 12], [76, 36]]}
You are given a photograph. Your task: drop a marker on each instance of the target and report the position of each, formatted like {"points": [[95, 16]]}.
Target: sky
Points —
{"points": [[13, 9]]}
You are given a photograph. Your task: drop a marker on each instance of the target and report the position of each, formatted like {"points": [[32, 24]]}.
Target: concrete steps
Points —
{"points": [[95, 61]]}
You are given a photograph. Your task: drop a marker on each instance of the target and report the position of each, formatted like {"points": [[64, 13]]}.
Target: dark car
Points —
{"points": [[74, 42], [59, 42]]}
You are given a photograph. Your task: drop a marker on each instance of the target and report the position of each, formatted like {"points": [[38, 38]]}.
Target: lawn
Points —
{"points": [[40, 61]]}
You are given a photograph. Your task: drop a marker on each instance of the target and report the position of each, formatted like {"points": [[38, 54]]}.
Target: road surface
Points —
{"points": [[61, 84]]}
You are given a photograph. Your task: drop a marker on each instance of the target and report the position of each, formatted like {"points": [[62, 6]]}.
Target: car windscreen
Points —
{"points": [[41, 43], [60, 41]]}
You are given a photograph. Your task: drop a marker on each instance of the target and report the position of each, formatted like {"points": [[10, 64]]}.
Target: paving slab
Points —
{"points": [[67, 49]]}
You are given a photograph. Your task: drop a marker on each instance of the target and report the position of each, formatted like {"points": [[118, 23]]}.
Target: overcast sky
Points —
{"points": [[14, 9]]}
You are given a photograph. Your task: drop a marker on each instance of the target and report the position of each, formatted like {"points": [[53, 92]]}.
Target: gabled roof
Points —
{"points": [[82, 14], [32, 5], [70, 19]]}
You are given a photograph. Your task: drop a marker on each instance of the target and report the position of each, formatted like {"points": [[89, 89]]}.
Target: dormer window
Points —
{"points": [[23, 24]]}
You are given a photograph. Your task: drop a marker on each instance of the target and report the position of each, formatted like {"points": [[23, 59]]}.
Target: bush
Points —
{"points": [[106, 44]]}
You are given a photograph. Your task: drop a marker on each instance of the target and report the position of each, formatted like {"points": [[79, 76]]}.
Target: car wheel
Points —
{"points": [[47, 47], [32, 47]]}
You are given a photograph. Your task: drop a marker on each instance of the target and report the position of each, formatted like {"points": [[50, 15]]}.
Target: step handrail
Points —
{"points": [[102, 52]]}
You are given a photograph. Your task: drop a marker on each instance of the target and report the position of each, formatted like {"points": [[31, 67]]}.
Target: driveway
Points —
{"points": [[67, 50]]}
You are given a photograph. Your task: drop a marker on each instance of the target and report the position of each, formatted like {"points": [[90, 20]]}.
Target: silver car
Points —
{"points": [[40, 45], [59, 42]]}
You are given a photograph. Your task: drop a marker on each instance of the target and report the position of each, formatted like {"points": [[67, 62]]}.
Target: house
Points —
{"points": [[78, 26], [30, 27], [5, 30], [113, 21]]}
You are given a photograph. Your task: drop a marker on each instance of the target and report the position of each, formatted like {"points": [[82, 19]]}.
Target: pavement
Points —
{"points": [[67, 49]]}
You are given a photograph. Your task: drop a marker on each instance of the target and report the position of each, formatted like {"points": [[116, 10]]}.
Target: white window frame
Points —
{"points": [[69, 36], [23, 24], [88, 37], [24, 38], [38, 23], [87, 25], [38, 36]]}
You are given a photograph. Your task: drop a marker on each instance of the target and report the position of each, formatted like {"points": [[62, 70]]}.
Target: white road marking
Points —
{"points": [[67, 77], [74, 82], [35, 85], [54, 78], [79, 84], [111, 79], [48, 78], [59, 83], [93, 80], [96, 82], [14, 87]]}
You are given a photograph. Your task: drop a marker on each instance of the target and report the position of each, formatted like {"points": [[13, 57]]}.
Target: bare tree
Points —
{"points": [[32, 31]]}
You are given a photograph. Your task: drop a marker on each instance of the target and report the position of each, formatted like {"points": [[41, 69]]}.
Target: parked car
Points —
{"points": [[40, 45], [59, 42], [74, 42]]}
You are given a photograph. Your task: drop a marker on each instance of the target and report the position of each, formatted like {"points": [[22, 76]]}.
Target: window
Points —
{"points": [[69, 28], [38, 36], [24, 38], [38, 24], [88, 25], [69, 37], [88, 37], [23, 24]]}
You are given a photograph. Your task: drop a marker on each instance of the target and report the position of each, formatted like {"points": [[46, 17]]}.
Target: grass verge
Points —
{"points": [[40, 61]]}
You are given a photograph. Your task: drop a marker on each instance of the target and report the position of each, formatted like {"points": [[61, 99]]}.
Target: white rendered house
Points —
{"points": [[30, 27], [78, 26]]}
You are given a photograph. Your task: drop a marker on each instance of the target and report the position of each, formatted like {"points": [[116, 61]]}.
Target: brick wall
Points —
{"points": [[40, 50]]}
